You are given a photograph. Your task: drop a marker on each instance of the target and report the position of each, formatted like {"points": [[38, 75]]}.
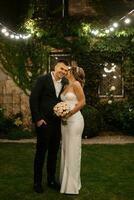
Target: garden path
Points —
{"points": [[119, 139]]}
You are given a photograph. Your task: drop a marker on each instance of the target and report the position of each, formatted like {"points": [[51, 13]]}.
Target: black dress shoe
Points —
{"points": [[54, 185], [38, 188]]}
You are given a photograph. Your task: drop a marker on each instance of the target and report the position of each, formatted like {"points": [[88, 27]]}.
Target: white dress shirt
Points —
{"points": [[57, 85]]}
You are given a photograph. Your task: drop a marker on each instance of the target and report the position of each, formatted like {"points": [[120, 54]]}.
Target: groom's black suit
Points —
{"points": [[42, 100]]}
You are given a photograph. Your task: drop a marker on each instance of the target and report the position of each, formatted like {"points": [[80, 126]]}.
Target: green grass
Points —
{"points": [[107, 173]]}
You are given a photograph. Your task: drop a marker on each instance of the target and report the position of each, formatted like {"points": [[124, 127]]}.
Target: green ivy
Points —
{"points": [[67, 34], [25, 60], [14, 56]]}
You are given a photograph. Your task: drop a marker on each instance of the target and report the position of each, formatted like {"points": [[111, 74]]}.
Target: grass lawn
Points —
{"points": [[107, 173]]}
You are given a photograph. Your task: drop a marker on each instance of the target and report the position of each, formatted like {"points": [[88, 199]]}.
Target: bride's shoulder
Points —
{"points": [[77, 87], [76, 84]]}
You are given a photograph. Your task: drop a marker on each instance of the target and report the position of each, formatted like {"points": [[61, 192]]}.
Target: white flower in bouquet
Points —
{"points": [[61, 109]]}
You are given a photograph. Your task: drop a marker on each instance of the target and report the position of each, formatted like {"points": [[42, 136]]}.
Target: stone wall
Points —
{"points": [[12, 98], [81, 8]]}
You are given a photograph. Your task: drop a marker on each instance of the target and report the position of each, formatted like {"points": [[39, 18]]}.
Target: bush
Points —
{"points": [[12, 127], [110, 116], [127, 118], [5, 123], [118, 116], [17, 134], [92, 119]]}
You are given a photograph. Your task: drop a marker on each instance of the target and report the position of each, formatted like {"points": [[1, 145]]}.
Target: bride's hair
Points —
{"points": [[78, 74]]}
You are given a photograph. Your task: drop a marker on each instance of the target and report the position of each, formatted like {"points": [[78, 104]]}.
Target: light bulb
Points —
{"points": [[17, 37], [95, 32], [6, 34], [111, 29], [4, 30], [127, 20], [12, 36], [106, 31], [115, 24]]}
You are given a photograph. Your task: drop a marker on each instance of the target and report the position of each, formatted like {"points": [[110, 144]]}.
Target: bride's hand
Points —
{"points": [[68, 114]]}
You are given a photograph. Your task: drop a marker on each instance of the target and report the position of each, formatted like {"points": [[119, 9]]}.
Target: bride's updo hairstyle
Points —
{"points": [[78, 73]]}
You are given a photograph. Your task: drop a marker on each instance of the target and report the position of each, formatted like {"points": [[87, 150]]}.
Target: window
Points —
{"points": [[111, 80], [54, 57]]}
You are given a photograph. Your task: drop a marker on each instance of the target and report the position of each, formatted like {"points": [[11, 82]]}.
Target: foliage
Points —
{"points": [[92, 120], [12, 127], [17, 134], [5, 123], [128, 72], [23, 60], [26, 60], [70, 36], [115, 116], [118, 116]]}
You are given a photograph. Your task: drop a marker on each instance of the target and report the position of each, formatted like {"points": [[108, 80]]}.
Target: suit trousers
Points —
{"points": [[48, 141]]}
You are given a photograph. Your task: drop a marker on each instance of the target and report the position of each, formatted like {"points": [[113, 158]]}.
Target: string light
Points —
{"points": [[112, 69], [115, 24], [125, 19], [95, 32], [10, 34], [111, 29], [107, 31]]}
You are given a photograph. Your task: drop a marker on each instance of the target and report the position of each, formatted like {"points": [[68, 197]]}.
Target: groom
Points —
{"points": [[44, 95]]}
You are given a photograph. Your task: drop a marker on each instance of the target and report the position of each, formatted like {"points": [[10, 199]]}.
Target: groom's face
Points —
{"points": [[61, 70]]}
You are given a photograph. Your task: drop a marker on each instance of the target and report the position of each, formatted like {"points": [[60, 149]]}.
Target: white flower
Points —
{"points": [[61, 109]]}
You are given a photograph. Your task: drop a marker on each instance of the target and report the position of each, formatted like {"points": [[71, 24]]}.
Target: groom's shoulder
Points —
{"points": [[43, 77]]}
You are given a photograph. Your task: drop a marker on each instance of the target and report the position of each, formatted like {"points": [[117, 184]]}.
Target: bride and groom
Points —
{"points": [[48, 90]]}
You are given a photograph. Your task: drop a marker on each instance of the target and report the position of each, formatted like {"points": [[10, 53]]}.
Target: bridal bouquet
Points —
{"points": [[61, 109]]}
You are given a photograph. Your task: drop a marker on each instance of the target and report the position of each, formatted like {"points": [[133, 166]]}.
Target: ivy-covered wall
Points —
{"points": [[26, 60]]}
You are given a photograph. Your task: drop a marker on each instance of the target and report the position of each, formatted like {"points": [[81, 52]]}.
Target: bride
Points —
{"points": [[72, 132]]}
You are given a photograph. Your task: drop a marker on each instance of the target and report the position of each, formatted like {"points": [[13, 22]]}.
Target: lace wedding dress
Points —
{"points": [[71, 148]]}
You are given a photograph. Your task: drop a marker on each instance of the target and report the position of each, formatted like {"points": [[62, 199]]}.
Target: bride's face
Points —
{"points": [[68, 76]]}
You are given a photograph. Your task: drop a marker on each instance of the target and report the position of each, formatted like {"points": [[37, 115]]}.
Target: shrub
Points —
{"points": [[127, 118], [118, 116], [12, 127], [16, 134], [110, 116], [5, 123], [92, 119]]}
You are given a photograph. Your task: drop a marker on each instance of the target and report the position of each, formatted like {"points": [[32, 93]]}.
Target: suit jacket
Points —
{"points": [[43, 98]]}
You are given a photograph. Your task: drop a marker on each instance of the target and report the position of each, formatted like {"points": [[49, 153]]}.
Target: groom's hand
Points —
{"points": [[40, 122]]}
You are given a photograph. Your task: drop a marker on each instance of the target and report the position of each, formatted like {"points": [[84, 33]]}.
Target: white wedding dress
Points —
{"points": [[71, 148]]}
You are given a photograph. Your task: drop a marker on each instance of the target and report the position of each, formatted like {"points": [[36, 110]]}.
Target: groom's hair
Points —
{"points": [[63, 61]]}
